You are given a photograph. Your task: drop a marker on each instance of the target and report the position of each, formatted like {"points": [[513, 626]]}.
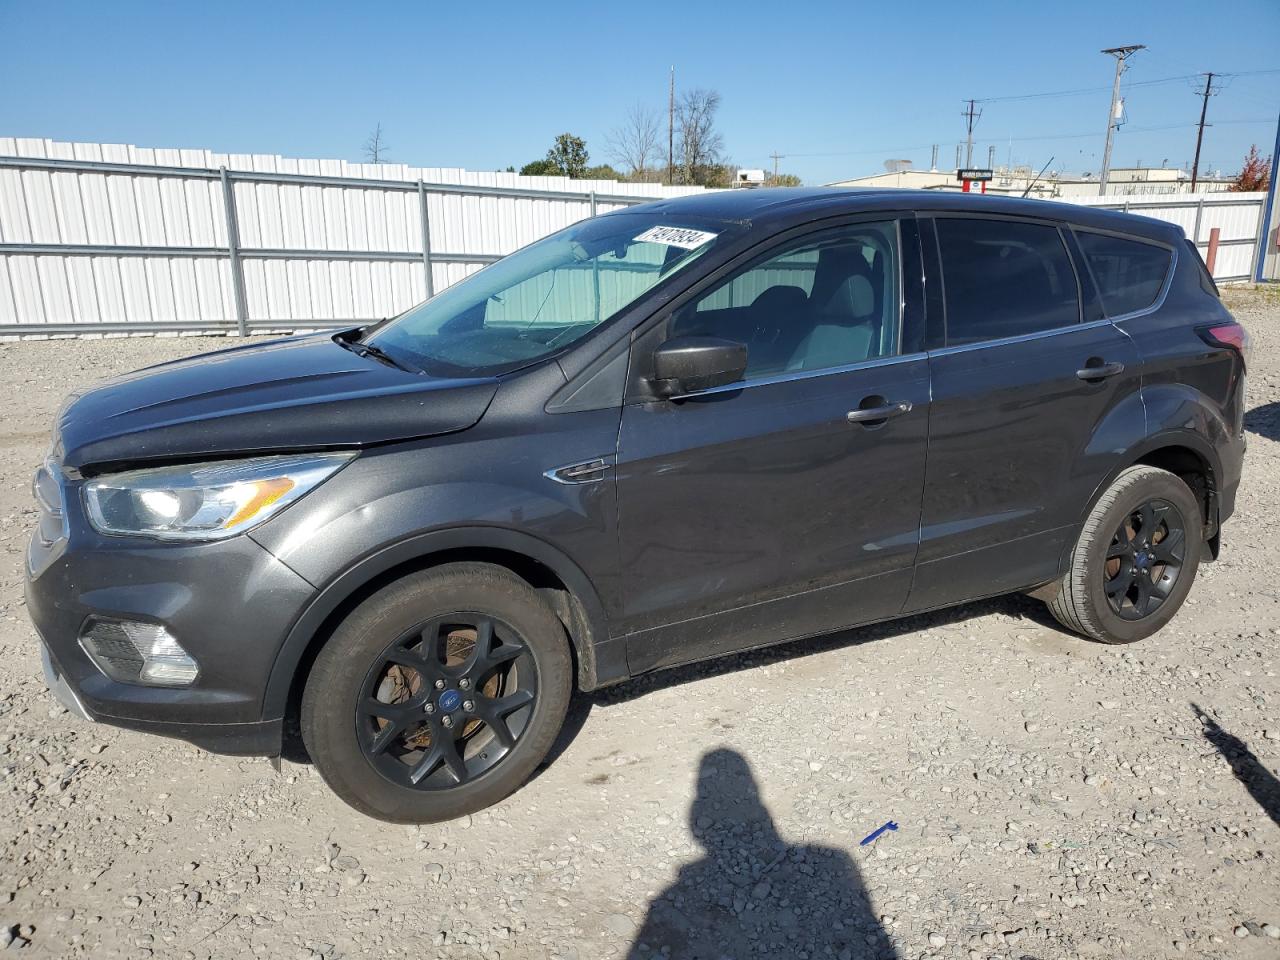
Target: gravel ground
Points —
{"points": [[1054, 797]]}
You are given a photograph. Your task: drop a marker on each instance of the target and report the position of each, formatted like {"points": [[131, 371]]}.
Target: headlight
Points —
{"points": [[204, 501]]}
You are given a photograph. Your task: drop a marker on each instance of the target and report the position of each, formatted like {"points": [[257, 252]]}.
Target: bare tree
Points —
{"points": [[701, 146], [635, 144], [375, 148]]}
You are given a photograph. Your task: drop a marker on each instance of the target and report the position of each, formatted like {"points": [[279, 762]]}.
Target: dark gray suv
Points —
{"points": [[694, 427]]}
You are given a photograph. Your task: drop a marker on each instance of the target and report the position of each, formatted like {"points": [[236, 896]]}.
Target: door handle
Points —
{"points": [[870, 416], [1101, 372]]}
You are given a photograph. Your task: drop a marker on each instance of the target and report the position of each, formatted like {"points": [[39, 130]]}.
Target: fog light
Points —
{"points": [[133, 652]]}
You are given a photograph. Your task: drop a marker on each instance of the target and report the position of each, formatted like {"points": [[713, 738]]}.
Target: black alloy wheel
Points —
{"points": [[446, 701], [439, 694], [1135, 559], [1144, 560]]}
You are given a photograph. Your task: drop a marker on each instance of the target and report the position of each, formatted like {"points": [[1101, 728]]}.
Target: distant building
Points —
{"points": [[1053, 183]]}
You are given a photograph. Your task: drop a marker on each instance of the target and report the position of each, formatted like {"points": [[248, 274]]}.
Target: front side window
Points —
{"points": [[547, 295], [826, 300], [1129, 273], [1003, 278]]}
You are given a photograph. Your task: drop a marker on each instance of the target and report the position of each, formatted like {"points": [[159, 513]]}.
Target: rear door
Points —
{"points": [[1022, 390], [761, 511]]}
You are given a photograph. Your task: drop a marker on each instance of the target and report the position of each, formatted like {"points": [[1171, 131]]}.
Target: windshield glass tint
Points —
{"points": [[544, 297]]}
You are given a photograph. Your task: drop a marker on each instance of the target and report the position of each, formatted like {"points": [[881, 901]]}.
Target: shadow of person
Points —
{"points": [[752, 893], [1264, 420], [1257, 779]]}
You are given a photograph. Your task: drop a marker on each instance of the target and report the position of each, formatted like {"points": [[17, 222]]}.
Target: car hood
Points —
{"points": [[302, 393]]}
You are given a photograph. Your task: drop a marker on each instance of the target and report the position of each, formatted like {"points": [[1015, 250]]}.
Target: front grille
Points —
{"points": [[50, 535]]}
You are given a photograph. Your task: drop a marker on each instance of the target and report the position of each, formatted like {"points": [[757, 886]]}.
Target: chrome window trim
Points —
{"points": [[1021, 338], [804, 375]]}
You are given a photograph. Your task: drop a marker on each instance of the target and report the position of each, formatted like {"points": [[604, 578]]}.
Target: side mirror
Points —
{"points": [[686, 365]]}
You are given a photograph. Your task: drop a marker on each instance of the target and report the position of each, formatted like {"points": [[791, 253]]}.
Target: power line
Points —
{"points": [[1041, 138], [1079, 91], [1083, 90]]}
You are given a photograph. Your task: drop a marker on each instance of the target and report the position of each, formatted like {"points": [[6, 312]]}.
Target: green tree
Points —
{"points": [[540, 168], [569, 154], [784, 180], [602, 172]]}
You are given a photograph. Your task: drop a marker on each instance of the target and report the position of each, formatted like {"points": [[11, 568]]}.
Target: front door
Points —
{"points": [[788, 504]]}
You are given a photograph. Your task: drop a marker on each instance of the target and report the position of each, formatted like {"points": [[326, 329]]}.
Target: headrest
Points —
{"points": [[855, 297], [780, 297]]}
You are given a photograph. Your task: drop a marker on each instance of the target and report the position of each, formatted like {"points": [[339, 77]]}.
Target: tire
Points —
{"points": [[398, 670], [1101, 596]]}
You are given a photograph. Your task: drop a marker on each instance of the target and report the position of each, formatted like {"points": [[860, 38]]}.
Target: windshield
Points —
{"points": [[545, 296]]}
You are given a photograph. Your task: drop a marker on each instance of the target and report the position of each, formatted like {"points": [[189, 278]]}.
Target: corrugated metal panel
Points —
{"points": [[88, 207], [1238, 216], [120, 208]]}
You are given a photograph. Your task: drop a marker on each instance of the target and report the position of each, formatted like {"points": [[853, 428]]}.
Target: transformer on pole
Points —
{"points": [[1113, 115]]}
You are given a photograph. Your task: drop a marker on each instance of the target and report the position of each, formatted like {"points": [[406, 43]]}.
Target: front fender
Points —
{"points": [[422, 547], [472, 491]]}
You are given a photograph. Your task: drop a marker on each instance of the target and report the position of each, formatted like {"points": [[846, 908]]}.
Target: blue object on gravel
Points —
{"points": [[875, 833]]}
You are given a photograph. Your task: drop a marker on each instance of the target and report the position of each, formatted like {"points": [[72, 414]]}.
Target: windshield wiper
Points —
{"points": [[377, 353]]}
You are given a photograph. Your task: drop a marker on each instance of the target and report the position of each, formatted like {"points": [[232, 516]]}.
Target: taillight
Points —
{"points": [[1232, 335]]}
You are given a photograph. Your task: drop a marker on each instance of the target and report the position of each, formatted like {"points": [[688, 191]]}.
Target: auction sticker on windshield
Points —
{"points": [[681, 237]]}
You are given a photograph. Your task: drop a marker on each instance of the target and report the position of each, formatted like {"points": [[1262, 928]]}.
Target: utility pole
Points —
{"points": [[971, 117], [1121, 54], [933, 164], [776, 157], [1204, 108], [671, 129]]}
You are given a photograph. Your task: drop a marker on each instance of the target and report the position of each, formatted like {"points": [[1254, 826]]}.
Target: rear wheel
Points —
{"points": [[1135, 561], [438, 695]]}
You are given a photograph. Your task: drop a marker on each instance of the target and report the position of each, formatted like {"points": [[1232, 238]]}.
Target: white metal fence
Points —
{"points": [[1238, 217], [114, 238], [98, 238]]}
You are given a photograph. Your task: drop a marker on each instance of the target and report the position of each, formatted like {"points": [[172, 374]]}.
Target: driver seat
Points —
{"points": [[845, 326]]}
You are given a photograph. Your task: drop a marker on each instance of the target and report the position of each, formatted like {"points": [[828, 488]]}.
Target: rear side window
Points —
{"points": [[1207, 283], [1130, 274], [1002, 278]]}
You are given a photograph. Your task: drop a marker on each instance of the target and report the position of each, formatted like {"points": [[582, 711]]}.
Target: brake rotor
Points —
{"points": [[398, 685], [459, 645], [401, 683]]}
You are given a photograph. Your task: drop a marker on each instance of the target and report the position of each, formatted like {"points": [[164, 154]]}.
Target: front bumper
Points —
{"points": [[230, 604], [59, 687], [260, 739]]}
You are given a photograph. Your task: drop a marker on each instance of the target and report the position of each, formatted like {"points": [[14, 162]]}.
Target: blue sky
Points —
{"points": [[838, 88]]}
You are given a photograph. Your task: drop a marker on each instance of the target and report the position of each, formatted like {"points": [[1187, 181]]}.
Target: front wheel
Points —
{"points": [[1135, 561], [438, 695]]}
